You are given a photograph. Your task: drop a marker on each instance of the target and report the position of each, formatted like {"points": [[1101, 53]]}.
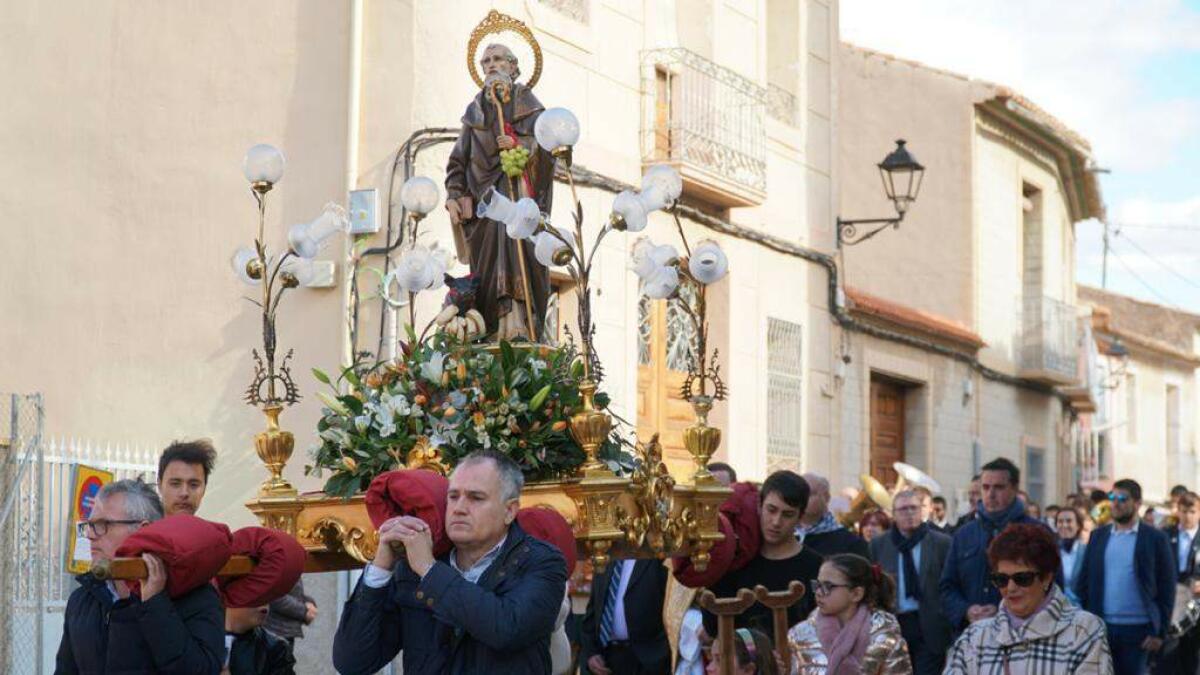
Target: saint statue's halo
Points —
{"points": [[494, 24]]}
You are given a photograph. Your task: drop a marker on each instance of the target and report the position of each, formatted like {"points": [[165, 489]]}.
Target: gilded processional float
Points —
{"points": [[479, 374]]}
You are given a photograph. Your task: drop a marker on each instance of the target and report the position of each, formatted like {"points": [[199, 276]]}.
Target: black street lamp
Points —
{"points": [[902, 175]]}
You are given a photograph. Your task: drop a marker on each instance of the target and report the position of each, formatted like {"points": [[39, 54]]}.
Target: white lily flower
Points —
{"points": [[362, 423], [708, 263], [333, 404], [432, 369]]}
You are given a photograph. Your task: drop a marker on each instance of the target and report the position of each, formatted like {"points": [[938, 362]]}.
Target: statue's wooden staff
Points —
{"points": [[496, 98], [726, 609], [779, 602]]}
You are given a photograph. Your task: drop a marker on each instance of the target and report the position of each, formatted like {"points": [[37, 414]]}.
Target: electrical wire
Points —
{"points": [[1140, 280], [1160, 263]]}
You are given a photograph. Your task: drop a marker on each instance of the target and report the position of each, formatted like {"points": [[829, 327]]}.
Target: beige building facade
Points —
{"points": [[1146, 422], [974, 291]]}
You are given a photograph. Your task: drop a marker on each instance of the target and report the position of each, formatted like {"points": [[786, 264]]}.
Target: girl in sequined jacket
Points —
{"points": [[852, 632]]}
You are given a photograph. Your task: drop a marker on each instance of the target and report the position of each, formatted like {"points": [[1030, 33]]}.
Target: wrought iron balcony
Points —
{"points": [[1047, 342], [708, 122]]}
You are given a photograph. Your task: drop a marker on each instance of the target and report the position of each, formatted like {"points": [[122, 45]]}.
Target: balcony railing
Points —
{"points": [[781, 105], [1047, 341], [708, 121]]}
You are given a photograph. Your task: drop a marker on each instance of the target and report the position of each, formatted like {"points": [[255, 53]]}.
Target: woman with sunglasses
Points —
{"points": [[852, 631], [1037, 630], [753, 654]]}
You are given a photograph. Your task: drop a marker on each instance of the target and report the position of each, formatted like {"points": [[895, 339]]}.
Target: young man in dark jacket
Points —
{"points": [[489, 606], [1128, 579], [967, 596], [106, 629], [251, 649]]}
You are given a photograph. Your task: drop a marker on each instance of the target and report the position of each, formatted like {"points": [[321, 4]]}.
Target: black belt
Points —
{"points": [[618, 644]]}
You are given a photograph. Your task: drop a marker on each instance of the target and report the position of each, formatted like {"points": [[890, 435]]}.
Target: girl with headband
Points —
{"points": [[852, 632], [754, 654]]}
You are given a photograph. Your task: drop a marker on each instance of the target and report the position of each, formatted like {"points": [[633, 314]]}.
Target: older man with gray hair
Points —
{"points": [[109, 629], [819, 530], [488, 606]]}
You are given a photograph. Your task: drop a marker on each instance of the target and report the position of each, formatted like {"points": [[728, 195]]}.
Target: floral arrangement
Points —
{"points": [[455, 397]]}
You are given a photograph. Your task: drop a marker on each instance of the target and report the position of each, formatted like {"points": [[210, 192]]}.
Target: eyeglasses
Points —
{"points": [[825, 587], [1023, 579], [100, 527], [1118, 498]]}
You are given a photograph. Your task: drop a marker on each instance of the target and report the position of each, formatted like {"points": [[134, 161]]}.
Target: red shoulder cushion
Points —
{"points": [[411, 492], [722, 555], [741, 508], [193, 550], [545, 523], [279, 562]]}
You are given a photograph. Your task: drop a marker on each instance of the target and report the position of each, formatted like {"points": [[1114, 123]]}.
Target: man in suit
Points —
{"points": [[1184, 538], [1138, 613], [622, 630], [914, 554]]}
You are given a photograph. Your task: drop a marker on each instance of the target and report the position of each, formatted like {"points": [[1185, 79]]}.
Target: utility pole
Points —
{"points": [[1104, 266]]}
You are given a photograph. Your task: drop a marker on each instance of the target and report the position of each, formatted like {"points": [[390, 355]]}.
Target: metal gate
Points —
{"points": [[22, 560], [36, 481]]}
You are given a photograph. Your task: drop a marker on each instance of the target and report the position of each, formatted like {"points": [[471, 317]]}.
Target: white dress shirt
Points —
{"points": [[1186, 537], [903, 602], [375, 577], [620, 630]]}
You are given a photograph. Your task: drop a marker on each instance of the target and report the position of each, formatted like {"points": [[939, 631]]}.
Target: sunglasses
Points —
{"points": [[1023, 579], [1120, 499]]}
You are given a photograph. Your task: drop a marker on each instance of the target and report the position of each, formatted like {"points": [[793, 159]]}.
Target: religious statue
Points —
{"points": [[514, 286]]}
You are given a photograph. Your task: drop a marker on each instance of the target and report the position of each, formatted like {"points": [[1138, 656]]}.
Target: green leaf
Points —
{"points": [[539, 398], [506, 354], [352, 378], [321, 376]]}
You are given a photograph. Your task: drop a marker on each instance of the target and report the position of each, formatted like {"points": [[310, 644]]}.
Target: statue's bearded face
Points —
{"points": [[499, 59]]}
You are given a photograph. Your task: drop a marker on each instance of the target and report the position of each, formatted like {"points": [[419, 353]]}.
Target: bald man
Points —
{"points": [[820, 531]]}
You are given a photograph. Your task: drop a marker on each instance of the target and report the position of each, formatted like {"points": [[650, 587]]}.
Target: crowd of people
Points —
{"points": [[1088, 586]]}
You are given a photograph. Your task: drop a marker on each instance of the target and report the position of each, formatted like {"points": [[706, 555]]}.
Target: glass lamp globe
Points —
{"points": [[664, 178], [556, 129], [246, 265], [263, 164], [628, 212], [419, 195], [661, 284], [708, 263]]}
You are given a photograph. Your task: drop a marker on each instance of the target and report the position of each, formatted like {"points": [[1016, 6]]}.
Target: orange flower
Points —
{"points": [[420, 399], [450, 411], [349, 463], [559, 425], [462, 370], [478, 418]]}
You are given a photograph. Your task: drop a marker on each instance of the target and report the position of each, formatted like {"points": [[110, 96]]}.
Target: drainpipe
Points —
{"points": [[353, 107]]}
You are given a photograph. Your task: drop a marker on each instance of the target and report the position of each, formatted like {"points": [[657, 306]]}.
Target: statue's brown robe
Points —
{"points": [[474, 167]]}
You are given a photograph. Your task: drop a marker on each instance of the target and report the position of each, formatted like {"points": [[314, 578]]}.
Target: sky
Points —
{"points": [[1123, 73]]}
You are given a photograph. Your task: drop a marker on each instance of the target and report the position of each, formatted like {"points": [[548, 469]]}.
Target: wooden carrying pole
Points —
{"points": [[128, 569], [779, 602], [726, 609]]}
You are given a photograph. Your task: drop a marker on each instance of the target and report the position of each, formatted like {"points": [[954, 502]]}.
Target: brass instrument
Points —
{"points": [[910, 477], [872, 496]]}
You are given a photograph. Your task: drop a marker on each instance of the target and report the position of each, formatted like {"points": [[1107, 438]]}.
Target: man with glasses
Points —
{"points": [[1128, 579], [914, 554], [108, 628]]}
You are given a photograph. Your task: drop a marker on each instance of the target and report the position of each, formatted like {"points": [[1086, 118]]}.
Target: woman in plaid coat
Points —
{"points": [[1037, 630]]}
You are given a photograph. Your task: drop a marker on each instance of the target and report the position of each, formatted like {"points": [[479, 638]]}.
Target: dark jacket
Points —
{"points": [[287, 615], [185, 635], [933, 550], [964, 578], [837, 541], [1192, 571], [445, 624], [1153, 565], [643, 616], [258, 652]]}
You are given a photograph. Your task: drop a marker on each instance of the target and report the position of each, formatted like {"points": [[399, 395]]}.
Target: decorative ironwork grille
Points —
{"points": [[1047, 341], [781, 105], [683, 342], [785, 395], [705, 114]]}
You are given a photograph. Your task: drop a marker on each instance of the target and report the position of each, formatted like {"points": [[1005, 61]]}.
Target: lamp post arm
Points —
{"points": [[848, 232]]}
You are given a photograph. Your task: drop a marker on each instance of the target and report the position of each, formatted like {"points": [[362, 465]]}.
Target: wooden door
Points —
{"points": [[666, 339], [887, 429]]}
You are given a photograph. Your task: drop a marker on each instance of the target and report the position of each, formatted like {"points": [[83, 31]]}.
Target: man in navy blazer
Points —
{"points": [[489, 606], [1137, 614], [1184, 537]]}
